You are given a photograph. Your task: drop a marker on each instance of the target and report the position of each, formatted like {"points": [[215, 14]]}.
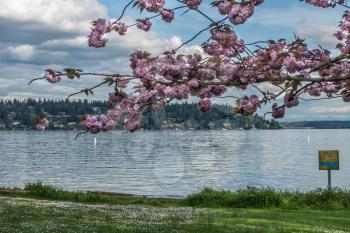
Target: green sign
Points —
{"points": [[328, 159]]}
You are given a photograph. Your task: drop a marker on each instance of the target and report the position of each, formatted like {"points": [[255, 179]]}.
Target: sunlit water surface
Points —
{"points": [[172, 163]]}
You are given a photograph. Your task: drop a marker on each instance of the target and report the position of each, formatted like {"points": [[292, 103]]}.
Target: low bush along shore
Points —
{"points": [[43, 208]]}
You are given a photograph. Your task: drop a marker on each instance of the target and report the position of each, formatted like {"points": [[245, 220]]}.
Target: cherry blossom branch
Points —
{"points": [[200, 32], [341, 4], [304, 79], [329, 63], [257, 42], [228, 62], [228, 96], [79, 74], [200, 12], [157, 15], [193, 38]]}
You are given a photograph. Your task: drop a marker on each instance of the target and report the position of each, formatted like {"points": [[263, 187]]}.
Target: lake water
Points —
{"points": [[172, 163]]}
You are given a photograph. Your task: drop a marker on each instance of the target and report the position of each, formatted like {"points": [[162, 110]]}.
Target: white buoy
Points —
{"points": [[308, 138], [95, 142]]}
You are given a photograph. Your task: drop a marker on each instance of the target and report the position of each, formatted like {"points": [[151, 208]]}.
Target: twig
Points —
{"points": [[194, 37], [123, 12], [346, 6], [34, 80], [87, 89], [157, 15], [304, 79], [257, 42], [200, 32], [79, 134], [228, 96], [324, 98]]}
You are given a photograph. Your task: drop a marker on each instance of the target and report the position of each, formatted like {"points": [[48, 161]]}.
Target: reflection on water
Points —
{"points": [[172, 163]]}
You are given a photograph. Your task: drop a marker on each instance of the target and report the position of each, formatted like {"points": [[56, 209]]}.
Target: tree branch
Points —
{"points": [[304, 79], [87, 89], [123, 12], [35, 79]]}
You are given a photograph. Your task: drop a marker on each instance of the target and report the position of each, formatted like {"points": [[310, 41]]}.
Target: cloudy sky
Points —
{"points": [[40, 34]]}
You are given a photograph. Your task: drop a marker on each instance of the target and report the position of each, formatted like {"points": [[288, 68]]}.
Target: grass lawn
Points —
{"points": [[18, 214]]}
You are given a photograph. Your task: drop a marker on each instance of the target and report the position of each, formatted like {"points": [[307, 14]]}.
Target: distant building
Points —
{"points": [[171, 120], [97, 110], [58, 126], [227, 125], [16, 123]]}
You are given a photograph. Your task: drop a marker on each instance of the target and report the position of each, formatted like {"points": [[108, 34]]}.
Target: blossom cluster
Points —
{"points": [[343, 34], [193, 4], [157, 6], [99, 28], [225, 42], [325, 3], [144, 24], [42, 124], [96, 124], [51, 76], [278, 112], [237, 12], [291, 100], [249, 105]]}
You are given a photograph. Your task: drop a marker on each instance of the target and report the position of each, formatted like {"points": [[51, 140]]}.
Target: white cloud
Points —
{"points": [[321, 35], [315, 24], [297, 17], [22, 52], [61, 15], [327, 109], [80, 41], [175, 42]]}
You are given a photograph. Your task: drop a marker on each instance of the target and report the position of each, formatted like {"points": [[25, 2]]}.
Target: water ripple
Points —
{"points": [[171, 163]]}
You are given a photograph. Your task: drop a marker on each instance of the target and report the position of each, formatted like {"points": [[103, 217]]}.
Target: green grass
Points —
{"points": [[250, 197], [42, 191], [32, 215], [43, 208]]}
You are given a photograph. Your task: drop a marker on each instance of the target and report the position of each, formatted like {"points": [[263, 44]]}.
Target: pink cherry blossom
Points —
{"points": [[151, 5], [119, 27], [278, 112], [249, 105], [42, 125], [291, 100], [51, 76], [167, 15], [205, 105], [193, 4], [144, 24], [96, 40]]}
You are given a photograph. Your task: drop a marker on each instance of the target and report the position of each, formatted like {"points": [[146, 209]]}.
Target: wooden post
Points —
{"points": [[329, 179]]}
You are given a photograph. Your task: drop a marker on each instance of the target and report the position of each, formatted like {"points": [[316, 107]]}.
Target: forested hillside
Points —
{"points": [[66, 115]]}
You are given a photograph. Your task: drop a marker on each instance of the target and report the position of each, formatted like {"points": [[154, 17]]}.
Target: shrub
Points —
{"points": [[252, 197]]}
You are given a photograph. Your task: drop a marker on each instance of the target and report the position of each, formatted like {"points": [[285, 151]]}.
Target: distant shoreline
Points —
{"points": [[316, 125], [78, 130], [283, 125], [152, 130]]}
